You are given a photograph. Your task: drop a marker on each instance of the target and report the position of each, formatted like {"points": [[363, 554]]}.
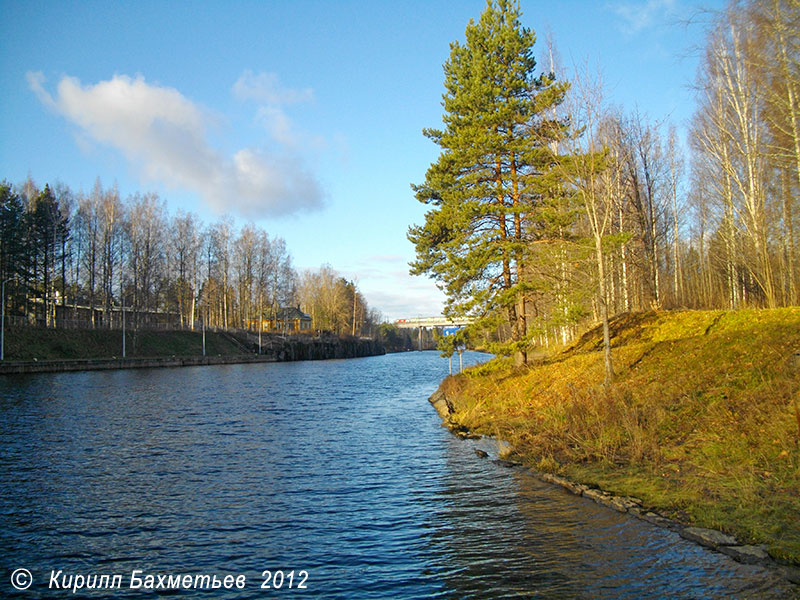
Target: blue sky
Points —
{"points": [[304, 117]]}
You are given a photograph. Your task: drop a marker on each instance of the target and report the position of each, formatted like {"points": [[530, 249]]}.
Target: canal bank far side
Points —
{"points": [[38, 350]]}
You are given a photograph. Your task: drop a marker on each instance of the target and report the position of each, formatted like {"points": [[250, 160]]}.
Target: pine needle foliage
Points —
{"points": [[491, 186]]}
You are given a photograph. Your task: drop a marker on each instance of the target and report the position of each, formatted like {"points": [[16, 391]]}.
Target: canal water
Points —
{"points": [[334, 479]]}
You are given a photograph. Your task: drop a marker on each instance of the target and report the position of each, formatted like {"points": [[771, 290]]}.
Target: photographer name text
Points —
{"points": [[139, 580]]}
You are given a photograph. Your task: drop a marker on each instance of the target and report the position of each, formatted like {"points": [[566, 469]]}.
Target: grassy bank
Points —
{"points": [[29, 343], [32, 349], [700, 422]]}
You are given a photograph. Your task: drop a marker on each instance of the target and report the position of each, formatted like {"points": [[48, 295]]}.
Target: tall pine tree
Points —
{"points": [[48, 227], [486, 185], [12, 233]]}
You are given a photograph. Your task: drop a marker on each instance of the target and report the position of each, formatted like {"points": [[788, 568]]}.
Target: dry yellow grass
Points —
{"points": [[699, 422]]}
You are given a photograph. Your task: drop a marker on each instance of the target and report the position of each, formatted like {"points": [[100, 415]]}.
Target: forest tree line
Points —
{"points": [[75, 259], [551, 209]]}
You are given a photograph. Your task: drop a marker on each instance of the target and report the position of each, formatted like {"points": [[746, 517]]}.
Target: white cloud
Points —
{"points": [[379, 276], [265, 88], [271, 97], [278, 124], [164, 134], [416, 300], [638, 16]]}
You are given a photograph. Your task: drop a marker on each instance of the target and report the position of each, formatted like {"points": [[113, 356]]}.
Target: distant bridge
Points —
{"points": [[447, 326], [430, 322]]}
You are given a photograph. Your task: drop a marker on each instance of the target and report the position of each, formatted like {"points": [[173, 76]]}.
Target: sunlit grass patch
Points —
{"points": [[699, 422]]}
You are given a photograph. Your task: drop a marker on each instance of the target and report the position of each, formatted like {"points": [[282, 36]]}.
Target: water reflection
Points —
{"points": [[507, 534]]}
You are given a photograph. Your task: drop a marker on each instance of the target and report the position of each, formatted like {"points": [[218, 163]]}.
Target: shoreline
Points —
{"points": [[103, 364], [700, 422], [753, 554], [55, 351]]}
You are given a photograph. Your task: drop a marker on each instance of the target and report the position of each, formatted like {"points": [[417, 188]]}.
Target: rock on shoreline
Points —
{"points": [[710, 538]]}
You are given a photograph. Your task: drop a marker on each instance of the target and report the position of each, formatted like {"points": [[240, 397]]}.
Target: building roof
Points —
{"points": [[290, 313]]}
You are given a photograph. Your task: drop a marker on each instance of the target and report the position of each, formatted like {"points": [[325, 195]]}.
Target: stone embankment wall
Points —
{"points": [[326, 348], [289, 349]]}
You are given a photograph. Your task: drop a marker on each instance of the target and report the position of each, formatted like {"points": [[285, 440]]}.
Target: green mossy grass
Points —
{"points": [[34, 343], [699, 423]]}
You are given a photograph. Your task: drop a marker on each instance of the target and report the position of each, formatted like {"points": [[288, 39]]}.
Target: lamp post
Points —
{"points": [[123, 327]]}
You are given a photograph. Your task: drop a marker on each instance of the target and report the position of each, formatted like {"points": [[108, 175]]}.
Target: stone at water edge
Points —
{"points": [[752, 555], [708, 537]]}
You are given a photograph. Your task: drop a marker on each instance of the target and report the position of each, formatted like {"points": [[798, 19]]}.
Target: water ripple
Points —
{"points": [[340, 468]]}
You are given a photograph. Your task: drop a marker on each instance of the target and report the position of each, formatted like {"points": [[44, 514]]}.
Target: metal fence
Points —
{"points": [[115, 324]]}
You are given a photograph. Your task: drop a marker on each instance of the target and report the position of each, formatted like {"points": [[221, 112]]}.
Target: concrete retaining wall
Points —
{"points": [[290, 350]]}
